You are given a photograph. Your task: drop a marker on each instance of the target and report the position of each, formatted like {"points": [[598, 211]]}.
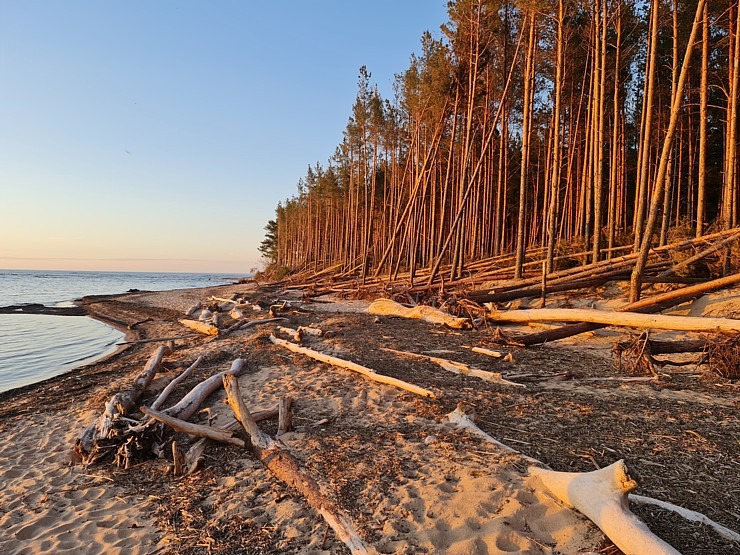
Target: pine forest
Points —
{"points": [[527, 130]]}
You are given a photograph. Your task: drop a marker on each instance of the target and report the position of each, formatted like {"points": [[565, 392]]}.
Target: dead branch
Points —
{"points": [[216, 434], [367, 372], [459, 368]]}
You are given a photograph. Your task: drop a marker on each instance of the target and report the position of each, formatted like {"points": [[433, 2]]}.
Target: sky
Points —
{"points": [[146, 135]]}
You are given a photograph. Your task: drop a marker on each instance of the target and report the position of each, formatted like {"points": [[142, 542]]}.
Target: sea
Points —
{"points": [[37, 347]]}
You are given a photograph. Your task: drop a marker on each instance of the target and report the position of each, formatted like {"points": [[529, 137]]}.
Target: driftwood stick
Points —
{"points": [[244, 324], [464, 421], [276, 457], [614, 318], [487, 352], [285, 415], [341, 363], [167, 390], [216, 434], [178, 460], [459, 368]]}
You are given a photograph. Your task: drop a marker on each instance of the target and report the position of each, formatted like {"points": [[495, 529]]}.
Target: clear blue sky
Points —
{"points": [[159, 135]]}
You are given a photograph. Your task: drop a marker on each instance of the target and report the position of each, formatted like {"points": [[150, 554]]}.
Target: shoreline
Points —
{"points": [[463, 484], [82, 308]]}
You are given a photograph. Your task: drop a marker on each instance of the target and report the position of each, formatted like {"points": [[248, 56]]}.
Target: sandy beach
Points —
{"points": [[410, 481]]}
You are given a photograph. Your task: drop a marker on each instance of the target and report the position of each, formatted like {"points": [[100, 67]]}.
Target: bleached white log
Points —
{"points": [[187, 406], [387, 307], [601, 496], [349, 365], [614, 318], [460, 368]]}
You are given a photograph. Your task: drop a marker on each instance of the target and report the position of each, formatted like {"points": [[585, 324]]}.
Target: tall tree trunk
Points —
{"points": [[526, 127], [658, 191]]}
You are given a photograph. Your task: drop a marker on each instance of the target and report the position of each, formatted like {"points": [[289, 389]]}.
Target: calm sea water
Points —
{"points": [[35, 347]]}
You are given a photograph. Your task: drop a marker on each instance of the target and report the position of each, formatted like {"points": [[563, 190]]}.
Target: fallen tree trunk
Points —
{"points": [[647, 305], [216, 434], [119, 405], [703, 254], [522, 292], [367, 372], [601, 495], [277, 458], [614, 318]]}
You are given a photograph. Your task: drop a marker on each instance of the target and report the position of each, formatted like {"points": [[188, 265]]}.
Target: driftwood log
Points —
{"points": [[200, 327], [188, 405], [387, 307], [614, 318], [278, 459], [601, 495], [348, 365], [648, 306]]}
